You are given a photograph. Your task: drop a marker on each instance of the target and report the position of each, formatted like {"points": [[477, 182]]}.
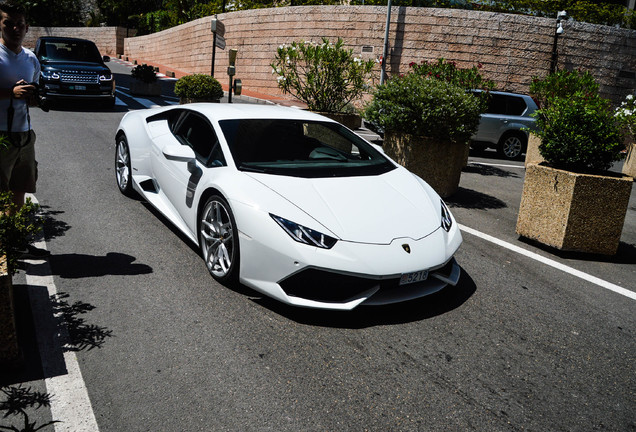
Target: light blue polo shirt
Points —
{"points": [[13, 68]]}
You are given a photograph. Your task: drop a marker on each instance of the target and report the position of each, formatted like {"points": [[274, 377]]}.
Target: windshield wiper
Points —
{"points": [[253, 169]]}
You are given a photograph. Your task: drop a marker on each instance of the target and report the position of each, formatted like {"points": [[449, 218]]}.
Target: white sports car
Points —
{"points": [[290, 203]]}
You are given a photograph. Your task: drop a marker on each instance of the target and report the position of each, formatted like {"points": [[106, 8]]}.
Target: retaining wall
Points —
{"points": [[511, 48]]}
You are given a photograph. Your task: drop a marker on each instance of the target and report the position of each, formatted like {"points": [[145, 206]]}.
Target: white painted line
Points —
{"points": [[550, 262], [498, 165], [70, 403]]}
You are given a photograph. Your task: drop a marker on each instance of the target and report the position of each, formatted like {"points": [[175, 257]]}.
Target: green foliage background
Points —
{"points": [[149, 16]]}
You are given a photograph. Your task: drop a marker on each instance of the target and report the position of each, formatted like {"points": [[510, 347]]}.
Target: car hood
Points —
{"points": [[373, 209], [83, 66]]}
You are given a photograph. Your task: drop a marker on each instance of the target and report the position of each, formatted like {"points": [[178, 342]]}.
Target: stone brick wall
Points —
{"points": [[109, 40], [511, 48]]}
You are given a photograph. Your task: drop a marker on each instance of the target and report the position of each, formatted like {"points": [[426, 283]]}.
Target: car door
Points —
{"points": [[492, 121], [177, 176]]}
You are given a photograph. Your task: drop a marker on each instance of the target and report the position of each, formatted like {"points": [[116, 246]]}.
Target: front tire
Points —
{"points": [[218, 240], [512, 145], [123, 171]]}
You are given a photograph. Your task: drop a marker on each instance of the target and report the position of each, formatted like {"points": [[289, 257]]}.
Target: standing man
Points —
{"points": [[18, 68]]}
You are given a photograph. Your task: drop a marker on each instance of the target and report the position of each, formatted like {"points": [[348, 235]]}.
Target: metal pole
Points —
{"points": [[229, 91], [213, 54], [386, 43]]}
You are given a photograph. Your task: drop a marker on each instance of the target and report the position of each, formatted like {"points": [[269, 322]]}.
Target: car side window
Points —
{"points": [[516, 105], [496, 104], [195, 131]]}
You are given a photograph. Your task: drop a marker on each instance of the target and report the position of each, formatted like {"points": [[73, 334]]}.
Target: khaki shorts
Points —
{"points": [[18, 168]]}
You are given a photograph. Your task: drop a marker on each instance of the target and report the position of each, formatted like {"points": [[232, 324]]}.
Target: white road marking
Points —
{"points": [[498, 165], [552, 263], [70, 403]]}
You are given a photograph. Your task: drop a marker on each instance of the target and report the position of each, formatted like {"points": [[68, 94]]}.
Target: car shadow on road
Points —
{"points": [[423, 308], [470, 199]]}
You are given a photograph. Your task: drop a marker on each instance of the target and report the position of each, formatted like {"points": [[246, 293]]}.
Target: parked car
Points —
{"points": [[503, 125], [73, 68], [290, 203]]}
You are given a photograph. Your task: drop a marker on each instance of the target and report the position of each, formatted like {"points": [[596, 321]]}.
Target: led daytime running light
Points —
{"points": [[305, 235], [447, 220]]}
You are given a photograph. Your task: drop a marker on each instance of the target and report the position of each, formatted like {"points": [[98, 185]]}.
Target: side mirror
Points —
{"points": [[106, 59], [178, 153]]}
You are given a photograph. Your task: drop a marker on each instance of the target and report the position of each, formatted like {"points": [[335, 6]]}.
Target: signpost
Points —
{"points": [[218, 30]]}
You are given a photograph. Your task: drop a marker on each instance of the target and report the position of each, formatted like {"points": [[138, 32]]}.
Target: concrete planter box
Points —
{"points": [[9, 350], [438, 162], [571, 211], [140, 88], [629, 166], [532, 152], [352, 121]]}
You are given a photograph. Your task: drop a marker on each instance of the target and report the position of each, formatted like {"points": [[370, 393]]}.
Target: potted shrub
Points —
{"points": [[570, 201], [198, 88], [327, 77], [427, 125], [144, 81], [626, 115]]}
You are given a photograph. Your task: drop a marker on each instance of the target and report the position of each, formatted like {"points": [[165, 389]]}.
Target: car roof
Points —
{"points": [[252, 111], [502, 93], [63, 38]]}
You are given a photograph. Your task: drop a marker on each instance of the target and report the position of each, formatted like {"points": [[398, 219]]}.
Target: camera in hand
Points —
{"points": [[43, 103]]}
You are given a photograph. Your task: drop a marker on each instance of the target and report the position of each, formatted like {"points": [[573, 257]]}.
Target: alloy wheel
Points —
{"points": [[217, 238]]}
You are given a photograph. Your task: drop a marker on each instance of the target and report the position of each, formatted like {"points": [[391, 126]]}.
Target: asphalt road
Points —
{"points": [[517, 345]]}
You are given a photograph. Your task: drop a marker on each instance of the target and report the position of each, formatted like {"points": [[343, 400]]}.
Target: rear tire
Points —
{"points": [[123, 170], [512, 145]]}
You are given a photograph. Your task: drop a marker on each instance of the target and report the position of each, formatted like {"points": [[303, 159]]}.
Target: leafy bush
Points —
{"points": [[16, 226], [562, 84], [198, 86], [577, 127], [626, 116], [423, 106], [448, 71], [579, 134], [144, 73], [327, 76]]}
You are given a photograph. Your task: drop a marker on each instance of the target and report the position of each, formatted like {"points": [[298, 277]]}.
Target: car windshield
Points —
{"points": [[61, 50], [301, 148]]}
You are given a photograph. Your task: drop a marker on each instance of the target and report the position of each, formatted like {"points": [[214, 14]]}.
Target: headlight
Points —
{"points": [[447, 220], [105, 77], [50, 75], [305, 235]]}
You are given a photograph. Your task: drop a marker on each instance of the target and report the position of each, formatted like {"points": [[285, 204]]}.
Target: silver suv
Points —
{"points": [[503, 124]]}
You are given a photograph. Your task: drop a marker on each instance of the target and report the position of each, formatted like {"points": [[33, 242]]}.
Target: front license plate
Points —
{"points": [[409, 278], [79, 87]]}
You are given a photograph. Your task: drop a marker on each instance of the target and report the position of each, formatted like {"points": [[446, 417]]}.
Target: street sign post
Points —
{"points": [[218, 30], [220, 42]]}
